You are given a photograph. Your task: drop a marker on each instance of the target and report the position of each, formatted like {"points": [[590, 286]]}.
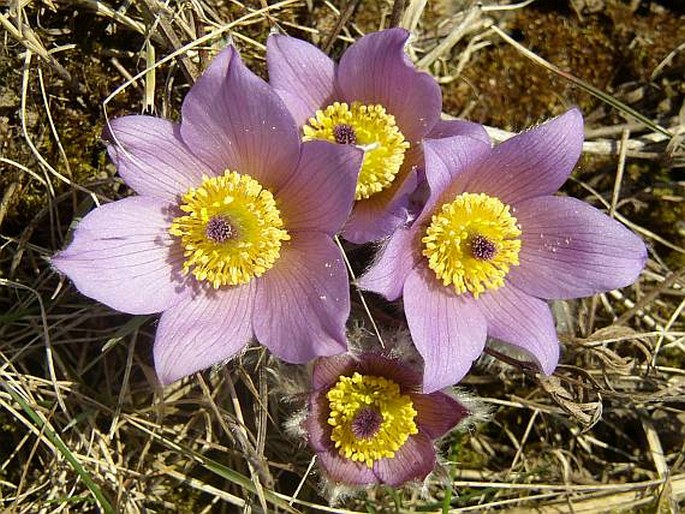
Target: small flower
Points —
{"points": [[492, 244], [375, 99], [230, 235], [369, 423]]}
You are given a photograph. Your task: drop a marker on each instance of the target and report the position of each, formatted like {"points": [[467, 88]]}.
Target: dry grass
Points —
{"points": [[85, 428]]}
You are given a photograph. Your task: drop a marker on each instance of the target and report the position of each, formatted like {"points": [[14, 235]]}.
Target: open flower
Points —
{"points": [[374, 99], [492, 244], [369, 423], [228, 237]]}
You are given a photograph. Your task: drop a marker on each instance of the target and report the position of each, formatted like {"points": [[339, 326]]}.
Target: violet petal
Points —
{"points": [[392, 264], [383, 365], [304, 300], [450, 128], [123, 256], [438, 413], [570, 249], [376, 70], [233, 120], [413, 461], [378, 216], [152, 158], [328, 370], [316, 423], [320, 194], [448, 331], [302, 75], [202, 330], [521, 320], [533, 163], [345, 471], [448, 160]]}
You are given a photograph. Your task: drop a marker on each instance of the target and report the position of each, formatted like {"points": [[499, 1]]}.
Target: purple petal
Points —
{"points": [[418, 197], [233, 120], [534, 163], [570, 249], [152, 158], [523, 321], [302, 75], [203, 330], [316, 424], [328, 370], [375, 70], [392, 368], [448, 331], [392, 264], [450, 128], [378, 216], [123, 256], [438, 413], [304, 300], [413, 158], [414, 461], [345, 471], [320, 194], [447, 161]]}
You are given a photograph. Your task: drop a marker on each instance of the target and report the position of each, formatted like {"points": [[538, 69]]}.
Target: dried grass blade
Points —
{"points": [[63, 449], [216, 468]]}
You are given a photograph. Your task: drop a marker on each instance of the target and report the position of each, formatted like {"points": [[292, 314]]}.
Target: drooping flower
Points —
{"points": [[370, 424], [492, 244], [374, 99], [230, 236]]}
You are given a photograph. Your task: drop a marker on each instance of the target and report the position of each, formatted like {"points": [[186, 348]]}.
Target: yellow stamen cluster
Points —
{"points": [[349, 397], [252, 230], [372, 129], [472, 242]]}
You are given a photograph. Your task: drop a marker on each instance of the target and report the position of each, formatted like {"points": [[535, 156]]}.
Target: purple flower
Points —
{"points": [[228, 237], [374, 99], [492, 244], [369, 423]]}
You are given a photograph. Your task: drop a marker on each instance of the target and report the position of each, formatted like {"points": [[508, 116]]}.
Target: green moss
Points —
{"points": [[462, 454], [665, 217], [503, 88], [509, 91], [185, 499], [78, 125]]}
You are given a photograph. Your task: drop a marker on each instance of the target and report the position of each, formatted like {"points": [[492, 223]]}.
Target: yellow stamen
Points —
{"points": [[472, 242], [232, 231], [371, 128], [386, 418]]}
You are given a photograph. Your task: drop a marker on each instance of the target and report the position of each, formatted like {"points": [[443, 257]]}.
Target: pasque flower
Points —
{"points": [[228, 237], [492, 244], [369, 423], [374, 99]]}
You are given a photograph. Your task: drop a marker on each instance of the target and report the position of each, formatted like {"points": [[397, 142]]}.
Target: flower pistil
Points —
{"points": [[371, 419], [472, 242], [371, 128], [232, 230]]}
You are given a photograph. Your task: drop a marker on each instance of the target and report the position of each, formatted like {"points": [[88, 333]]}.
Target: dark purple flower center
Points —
{"points": [[345, 134], [366, 423], [219, 229], [482, 248]]}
